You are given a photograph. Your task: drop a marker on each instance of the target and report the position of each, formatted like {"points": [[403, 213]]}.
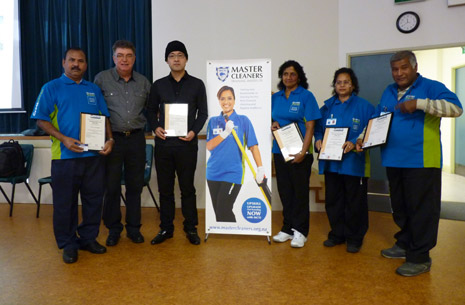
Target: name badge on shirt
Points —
{"points": [[217, 131], [91, 100], [331, 122]]}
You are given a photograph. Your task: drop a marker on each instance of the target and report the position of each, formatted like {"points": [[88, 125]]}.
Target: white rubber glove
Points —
{"points": [[227, 129], [260, 174]]}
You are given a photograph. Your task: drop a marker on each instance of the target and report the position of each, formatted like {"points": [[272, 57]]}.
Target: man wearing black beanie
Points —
{"points": [[177, 155]]}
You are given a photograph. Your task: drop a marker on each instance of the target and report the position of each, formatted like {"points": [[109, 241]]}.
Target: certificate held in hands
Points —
{"points": [[290, 140], [377, 131], [176, 120], [333, 140], [92, 133]]}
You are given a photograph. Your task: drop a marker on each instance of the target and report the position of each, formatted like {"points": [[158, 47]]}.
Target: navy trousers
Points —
{"points": [[293, 181], [347, 207], [416, 208], [223, 195], [71, 177]]}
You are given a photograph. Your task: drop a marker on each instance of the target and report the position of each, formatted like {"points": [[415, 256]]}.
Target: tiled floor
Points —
{"points": [[228, 269]]}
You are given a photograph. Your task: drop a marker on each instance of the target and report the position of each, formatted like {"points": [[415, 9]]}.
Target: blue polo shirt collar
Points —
{"points": [[297, 90], [69, 81]]}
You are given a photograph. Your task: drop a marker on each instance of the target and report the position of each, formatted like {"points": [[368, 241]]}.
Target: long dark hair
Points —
{"points": [[353, 79], [300, 72]]}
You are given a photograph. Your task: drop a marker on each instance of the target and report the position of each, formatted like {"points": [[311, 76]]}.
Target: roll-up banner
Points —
{"points": [[238, 171]]}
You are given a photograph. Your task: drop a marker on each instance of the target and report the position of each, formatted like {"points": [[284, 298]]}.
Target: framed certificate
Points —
{"points": [[331, 148], [92, 133], [176, 120], [377, 131], [289, 139]]}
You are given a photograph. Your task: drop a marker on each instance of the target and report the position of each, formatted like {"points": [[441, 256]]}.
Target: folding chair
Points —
{"points": [[147, 174], [42, 181], [28, 151]]}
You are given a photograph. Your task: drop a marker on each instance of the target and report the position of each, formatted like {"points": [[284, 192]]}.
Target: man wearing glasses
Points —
{"points": [[126, 93], [177, 154]]}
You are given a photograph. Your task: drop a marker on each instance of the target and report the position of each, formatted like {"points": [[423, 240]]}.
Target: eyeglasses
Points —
{"points": [[343, 83], [124, 56], [178, 56]]}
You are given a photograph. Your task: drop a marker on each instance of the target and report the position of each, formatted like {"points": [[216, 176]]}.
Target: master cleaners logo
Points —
{"points": [[222, 73]]}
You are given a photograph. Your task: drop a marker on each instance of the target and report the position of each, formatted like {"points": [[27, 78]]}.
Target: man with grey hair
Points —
{"points": [[126, 93], [413, 159]]}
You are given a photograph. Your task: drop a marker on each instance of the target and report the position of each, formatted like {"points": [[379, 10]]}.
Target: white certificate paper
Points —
{"points": [[377, 131], [176, 120], [289, 140], [92, 133], [331, 148]]}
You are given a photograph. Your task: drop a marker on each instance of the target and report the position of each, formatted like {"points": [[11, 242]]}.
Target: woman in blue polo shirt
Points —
{"points": [[294, 104], [225, 167], [346, 180]]}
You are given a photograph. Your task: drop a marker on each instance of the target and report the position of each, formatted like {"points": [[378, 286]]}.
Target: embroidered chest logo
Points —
{"points": [[294, 107], [91, 99], [355, 124], [410, 97]]}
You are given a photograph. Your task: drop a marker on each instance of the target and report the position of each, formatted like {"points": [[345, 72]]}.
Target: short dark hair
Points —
{"points": [[223, 89], [405, 54], [353, 79], [300, 73], [74, 49], [123, 44]]}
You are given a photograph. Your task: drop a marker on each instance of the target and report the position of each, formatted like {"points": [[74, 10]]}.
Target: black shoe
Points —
{"points": [[353, 248], [136, 237], [161, 237], [112, 240], [193, 237], [94, 247], [70, 256], [412, 269], [394, 252], [331, 243]]}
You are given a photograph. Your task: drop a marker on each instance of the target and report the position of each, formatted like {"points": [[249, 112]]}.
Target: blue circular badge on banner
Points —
{"points": [[254, 210]]}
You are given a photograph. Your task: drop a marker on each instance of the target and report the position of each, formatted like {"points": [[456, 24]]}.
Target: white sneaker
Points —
{"points": [[282, 237], [299, 240]]}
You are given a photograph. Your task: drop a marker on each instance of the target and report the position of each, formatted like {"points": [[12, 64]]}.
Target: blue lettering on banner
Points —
{"points": [[254, 210]]}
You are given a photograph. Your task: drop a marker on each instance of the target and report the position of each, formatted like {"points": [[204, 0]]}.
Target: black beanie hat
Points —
{"points": [[175, 45]]}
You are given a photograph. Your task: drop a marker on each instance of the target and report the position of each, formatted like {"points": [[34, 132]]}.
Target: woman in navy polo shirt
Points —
{"points": [[225, 170], [294, 104], [346, 180]]}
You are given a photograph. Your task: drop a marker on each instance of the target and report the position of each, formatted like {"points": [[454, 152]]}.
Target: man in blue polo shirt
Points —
{"points": [[413, 159], [74, 170]]}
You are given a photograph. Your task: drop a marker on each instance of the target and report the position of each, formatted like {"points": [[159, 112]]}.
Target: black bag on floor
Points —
{"points": [[12, 161]]}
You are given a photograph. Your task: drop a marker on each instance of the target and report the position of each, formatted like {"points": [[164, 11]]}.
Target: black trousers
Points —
{"points": [[293, 181], [71, 177], [223, 195], [347, 207], [182, 161], [130, 152], [416, 207]]}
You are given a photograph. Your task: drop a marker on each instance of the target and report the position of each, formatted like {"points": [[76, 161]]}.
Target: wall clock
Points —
{"points": [[408, 22]]}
